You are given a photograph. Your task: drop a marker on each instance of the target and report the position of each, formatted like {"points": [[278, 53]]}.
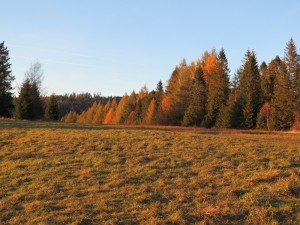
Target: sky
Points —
{"points": [[112, 47]]}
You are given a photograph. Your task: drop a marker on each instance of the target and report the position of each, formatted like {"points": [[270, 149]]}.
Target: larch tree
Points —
{"points": [[70, 117], [150, 113], [98, 116], [119, 115], [159, 94], [6, 79]]}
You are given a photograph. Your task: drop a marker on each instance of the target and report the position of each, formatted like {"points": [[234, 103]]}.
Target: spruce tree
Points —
{"points": [[24, 103], [282, 104], [37, 104], [292, 61], [218, 89], [6, 78], [52, 111], [250, 90], [195, 112]]}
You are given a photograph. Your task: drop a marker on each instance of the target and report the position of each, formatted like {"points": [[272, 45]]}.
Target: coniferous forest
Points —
{"points": [[202, 93]]}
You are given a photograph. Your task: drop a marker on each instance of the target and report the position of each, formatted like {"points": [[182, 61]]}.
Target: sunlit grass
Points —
{"points": [[54, 173]]}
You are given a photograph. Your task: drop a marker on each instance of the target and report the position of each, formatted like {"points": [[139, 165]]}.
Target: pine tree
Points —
{"points": [[195, 112], [6, 79], [52, 111]]}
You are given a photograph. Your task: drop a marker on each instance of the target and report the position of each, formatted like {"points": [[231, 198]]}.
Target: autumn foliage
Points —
{"points": [[202, 94]]}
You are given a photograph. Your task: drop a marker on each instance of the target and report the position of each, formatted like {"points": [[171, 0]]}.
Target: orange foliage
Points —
{"points": [[265, 110], [109, 116], [166, 104], [193, 69], [210, 66], [150, 112], [131, 118], [143, 92]]}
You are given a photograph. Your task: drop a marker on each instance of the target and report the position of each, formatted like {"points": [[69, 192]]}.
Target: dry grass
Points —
{"points": [[75, 174]]}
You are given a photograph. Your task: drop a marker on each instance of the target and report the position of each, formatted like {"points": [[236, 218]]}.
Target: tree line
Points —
{"points": [[201, 93]]}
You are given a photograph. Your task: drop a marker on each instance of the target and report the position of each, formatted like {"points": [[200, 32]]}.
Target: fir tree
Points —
{"points": [[6, 78], [52, 111]]}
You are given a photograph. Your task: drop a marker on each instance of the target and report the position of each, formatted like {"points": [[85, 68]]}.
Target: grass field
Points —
{"points": [[53, 173]]}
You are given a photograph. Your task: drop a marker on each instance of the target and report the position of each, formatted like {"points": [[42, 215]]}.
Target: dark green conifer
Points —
{"points": [[250, 90], [218, 90], [52, 111], [196, 110], [6, 78]]}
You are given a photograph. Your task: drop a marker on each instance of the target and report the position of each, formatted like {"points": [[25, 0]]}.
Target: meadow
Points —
{"points": [[56, 173]]}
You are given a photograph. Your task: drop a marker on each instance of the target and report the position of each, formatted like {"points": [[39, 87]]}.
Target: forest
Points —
{"points": [[201, 93]]}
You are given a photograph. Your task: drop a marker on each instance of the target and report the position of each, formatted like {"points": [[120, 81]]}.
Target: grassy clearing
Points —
{"points": [[71, 174]]}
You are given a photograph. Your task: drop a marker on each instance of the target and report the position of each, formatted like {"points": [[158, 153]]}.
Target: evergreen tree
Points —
{"points": [[218, 89], [24, 104], [282, 105], [6, 78], [224, 117], [250, 90], [195, 112], [292, 61], [52, 111], [37, 103], [268, 74]]}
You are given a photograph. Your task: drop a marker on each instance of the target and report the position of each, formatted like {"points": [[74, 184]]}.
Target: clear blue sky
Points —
{"points": [[114, 47]]}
